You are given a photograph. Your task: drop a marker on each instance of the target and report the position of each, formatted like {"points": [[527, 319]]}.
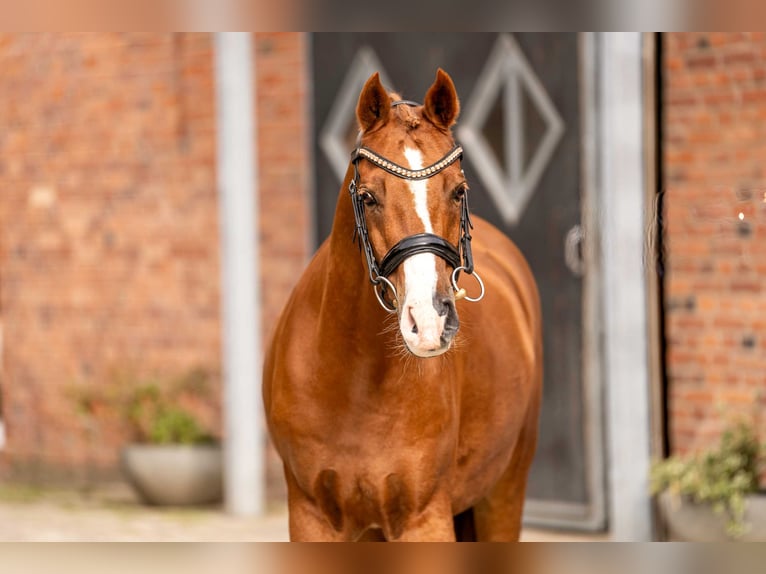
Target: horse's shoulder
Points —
{"points": [[489, 240], [505, 271], [298, 314], [307, 291], [498, 255]]}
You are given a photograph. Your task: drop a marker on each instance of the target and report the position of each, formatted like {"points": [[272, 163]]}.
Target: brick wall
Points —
{"points": [[284, 165], [108, 224], [714, 141], [108, 231], [109, 242], [284, 169]]}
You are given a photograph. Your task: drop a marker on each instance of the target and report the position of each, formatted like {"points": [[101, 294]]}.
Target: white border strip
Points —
{"points": [[244, 453], [622, 183]]}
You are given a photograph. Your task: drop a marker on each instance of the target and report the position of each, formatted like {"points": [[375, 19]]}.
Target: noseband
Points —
{"points": [[459, 258]]}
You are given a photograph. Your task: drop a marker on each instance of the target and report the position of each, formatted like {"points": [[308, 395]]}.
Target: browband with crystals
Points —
{"points": [[396, 169]]}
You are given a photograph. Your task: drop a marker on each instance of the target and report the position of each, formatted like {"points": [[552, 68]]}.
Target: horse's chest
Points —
{"points": [[364, 451], [367, 417], [354, 500], [373, 475]]}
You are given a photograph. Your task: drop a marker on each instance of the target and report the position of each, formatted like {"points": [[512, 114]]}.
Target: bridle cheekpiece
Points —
{"points": [[460, 258]]}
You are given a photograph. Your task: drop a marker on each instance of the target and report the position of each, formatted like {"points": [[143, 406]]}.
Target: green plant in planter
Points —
{"points": [[154, 411], [158, 421], [721, 477]]}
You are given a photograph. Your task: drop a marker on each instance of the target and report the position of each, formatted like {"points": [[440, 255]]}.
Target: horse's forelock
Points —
{"points": [[405, 114]]}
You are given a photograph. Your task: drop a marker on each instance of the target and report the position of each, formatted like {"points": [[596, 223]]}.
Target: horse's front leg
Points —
{"points": [[497, 517], [308, 522], [434, 524]]}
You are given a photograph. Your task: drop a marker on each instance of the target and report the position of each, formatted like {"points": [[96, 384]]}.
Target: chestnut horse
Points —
{"points": [[390, 430]]}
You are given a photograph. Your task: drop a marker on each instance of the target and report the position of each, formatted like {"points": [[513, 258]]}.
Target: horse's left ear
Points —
{"points": [[441, 104]]}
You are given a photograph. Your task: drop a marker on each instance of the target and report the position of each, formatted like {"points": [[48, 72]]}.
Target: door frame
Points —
{"points": [[621, 312], [591, 515], [629, 308], [614, 336]]}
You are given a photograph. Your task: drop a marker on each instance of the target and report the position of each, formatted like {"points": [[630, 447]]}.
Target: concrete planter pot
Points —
{"points": [[175, 475], [688, 521]]}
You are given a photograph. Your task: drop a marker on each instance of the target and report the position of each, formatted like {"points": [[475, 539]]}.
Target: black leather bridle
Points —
{"points": [[460, 258]]}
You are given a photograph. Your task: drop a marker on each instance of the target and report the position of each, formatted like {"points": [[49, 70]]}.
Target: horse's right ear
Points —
{"points": [[374, 104]]}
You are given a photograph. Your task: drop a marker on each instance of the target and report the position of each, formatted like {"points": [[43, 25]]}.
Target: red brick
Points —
{"points": [[740, 57], [116, 228], [714, 111], [701, 61]]}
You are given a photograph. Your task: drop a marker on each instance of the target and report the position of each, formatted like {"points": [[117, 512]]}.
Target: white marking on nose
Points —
{"points": [[421, 325]]}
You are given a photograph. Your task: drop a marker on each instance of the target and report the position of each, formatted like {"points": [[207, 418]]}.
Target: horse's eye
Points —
{"points": [[460, 191], [368, 199]]}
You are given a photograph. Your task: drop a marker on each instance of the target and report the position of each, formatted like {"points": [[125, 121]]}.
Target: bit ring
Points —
{"points": [[458, 290], [383, 303]]}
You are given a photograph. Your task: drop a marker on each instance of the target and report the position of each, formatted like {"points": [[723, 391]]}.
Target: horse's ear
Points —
{"points": [[441, 104], [374, 104]]}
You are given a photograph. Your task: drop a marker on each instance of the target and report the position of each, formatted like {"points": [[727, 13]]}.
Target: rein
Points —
{"points": [[460, 258]]}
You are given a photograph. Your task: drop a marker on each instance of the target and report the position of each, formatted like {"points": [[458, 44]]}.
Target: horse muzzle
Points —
{"points": [[428, 327]]}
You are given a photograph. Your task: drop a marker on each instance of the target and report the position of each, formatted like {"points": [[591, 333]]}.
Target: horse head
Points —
{"points": [[409, 195]]}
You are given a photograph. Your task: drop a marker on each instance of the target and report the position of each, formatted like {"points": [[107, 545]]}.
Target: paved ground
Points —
{"points": [[113, 514]]}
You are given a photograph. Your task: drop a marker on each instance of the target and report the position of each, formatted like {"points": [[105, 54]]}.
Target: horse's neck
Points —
{"points": [[352, 323], [349, 306]]}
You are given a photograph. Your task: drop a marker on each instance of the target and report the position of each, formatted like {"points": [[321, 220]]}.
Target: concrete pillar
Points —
{"points": [[622, 181], [244, 457]]}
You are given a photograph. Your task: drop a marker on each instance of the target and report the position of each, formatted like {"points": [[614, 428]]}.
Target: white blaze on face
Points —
{"points": [[420, 324]]}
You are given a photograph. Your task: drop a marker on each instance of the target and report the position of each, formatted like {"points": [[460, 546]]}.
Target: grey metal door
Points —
{"points": [[522, 129]]}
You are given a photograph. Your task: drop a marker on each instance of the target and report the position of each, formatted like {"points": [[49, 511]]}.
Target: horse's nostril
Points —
{"points": [[414, 323], [443, 306], [451, 323]]}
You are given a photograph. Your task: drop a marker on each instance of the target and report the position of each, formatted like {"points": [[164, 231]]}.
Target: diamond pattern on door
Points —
{"points": [[338, 135], [510, 128]]}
